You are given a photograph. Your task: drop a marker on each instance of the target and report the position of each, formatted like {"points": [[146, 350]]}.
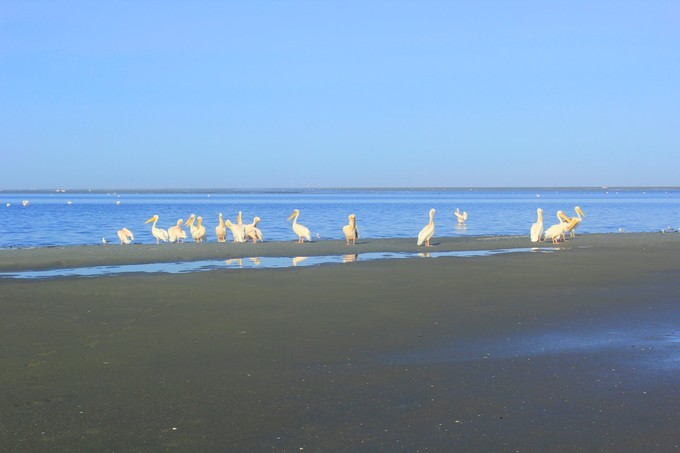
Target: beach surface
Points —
{"points": [[568, 348]]}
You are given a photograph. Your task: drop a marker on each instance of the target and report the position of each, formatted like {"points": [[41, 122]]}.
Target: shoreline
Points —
{"points": [[62, 257]]}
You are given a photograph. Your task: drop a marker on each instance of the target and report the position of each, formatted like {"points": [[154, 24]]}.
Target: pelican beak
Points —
{"points": [[291, 216], [151, 219], [578, 209], [563, 217]]}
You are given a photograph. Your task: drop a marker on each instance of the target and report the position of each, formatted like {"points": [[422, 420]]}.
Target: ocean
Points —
{"points": [[52, 218]]}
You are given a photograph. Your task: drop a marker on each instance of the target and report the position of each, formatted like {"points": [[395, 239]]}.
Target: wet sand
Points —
{"points": [[573, 350]]}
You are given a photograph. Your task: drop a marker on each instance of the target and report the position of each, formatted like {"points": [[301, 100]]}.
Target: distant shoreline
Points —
{"points": [[292, 190]]}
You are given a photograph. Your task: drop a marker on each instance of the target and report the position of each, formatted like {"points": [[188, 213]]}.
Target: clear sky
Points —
{"points": [[252, 94]]}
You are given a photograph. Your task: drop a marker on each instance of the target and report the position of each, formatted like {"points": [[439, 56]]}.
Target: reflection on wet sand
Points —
{"points": [[256, 262], [298, 259], [350, 258]]}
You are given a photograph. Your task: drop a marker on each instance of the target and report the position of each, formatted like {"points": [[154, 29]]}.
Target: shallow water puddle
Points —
{"points": [[255, 263]]}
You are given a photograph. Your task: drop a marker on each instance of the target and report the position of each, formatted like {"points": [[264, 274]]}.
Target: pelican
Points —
{"points": [[461, 217], [575, 221], [176, 233], [301, 231], [537, 228], [159, 233], [199, 232], [125, 236], [239, 222], [556, 232], [252, 231], [427, 232], [350, 230], [190, 223], [236, 230], [221, 231]]}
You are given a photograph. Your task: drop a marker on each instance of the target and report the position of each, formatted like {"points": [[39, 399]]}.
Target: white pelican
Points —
{"points": [[159, 233], [221, 231], [537, 228], [199, 233], [427, 232], [252, 231], [350, 230], [556, 232], [461, 217], [190, 223], [125, 236], [239, 222], [301, 230], [176, 233], [575, 221], [236, 230]]}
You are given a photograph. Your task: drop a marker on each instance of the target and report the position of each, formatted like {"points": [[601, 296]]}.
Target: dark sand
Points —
{"points": [[574, 350]]}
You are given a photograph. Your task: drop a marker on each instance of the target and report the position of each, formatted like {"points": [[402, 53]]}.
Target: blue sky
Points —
{"points": [[164, 94]]}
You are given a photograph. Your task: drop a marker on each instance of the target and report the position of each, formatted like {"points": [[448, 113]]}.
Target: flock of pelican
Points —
{"points": [[250, 232], [557, 232]]}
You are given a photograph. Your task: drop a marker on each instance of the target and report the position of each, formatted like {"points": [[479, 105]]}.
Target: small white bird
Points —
{"points": [[104, 241], [427, 232]]}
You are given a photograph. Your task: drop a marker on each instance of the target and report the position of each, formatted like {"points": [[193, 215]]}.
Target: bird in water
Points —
{"points": [[462, 217]]}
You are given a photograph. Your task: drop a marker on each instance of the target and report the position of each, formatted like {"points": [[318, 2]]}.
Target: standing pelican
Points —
{"points": [[574, 221], [301, 231], [190, 223], [221, 231], [125, 236], [350, 230], [427, 232], [236, 230], [159, 233], [176, 233], [537, 228], [556, 232], [199, 232], [461, 217], [252, 231]]}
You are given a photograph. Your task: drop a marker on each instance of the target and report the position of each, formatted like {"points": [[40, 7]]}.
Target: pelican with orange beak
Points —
{"points": [[159, 233], [301, 231]]}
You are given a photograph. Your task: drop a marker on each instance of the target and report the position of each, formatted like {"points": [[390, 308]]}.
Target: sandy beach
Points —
{"points": [[574, 349]]}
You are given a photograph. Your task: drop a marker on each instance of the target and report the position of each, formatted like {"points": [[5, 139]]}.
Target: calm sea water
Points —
{"points": [[80, 218]]}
